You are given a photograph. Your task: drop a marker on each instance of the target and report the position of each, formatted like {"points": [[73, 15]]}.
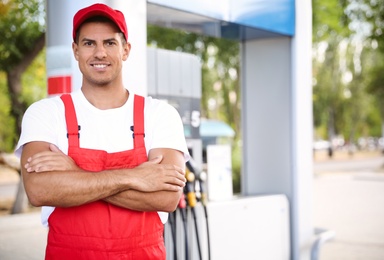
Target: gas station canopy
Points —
{"points": [[233, 19]]}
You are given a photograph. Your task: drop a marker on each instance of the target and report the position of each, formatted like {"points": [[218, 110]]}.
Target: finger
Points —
{"points": [[170, 187], [177, 182], [40, 155], [180, 176], [172, 172], [179, 172], [155, 160], [40, 158], [54, 148], [38, 167], [45, 162], [28, 168]]}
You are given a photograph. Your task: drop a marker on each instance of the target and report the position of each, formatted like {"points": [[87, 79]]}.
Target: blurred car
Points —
{"points": [[321, 144]]}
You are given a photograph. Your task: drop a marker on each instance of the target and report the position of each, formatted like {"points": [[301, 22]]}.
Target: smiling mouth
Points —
{"points": [[100, 66]]}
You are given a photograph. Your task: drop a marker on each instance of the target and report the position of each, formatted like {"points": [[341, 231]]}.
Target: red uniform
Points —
{"points": [[100, 230]]}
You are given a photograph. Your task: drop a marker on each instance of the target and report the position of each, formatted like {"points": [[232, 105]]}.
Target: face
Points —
{"points": [[100, 53]]}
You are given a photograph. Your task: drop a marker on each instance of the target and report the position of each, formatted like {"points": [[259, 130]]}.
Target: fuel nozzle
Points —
{"points": [[191, 196], [182, 204], [202, 180]]}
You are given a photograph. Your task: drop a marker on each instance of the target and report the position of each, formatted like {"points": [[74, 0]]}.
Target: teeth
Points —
{"points": [[99, 66]]}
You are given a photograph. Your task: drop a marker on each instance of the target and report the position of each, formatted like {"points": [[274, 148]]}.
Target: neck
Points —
{"points": [[106, 98]]}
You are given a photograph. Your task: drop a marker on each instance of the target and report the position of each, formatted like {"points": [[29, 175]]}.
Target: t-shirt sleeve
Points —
{"points": [[40, 123], [167, 130]]}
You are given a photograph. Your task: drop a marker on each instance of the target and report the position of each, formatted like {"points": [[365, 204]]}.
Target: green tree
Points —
{"points": [[329, 30], [343, 58], [367, 25], [371, 14], [22, 39], [358, 102], [376, 83]]}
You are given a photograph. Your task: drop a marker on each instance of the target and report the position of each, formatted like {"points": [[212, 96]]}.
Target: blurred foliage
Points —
{"points": [[328, 18], [22, 78], [21, 23], [34, 80], [345, 69], [22, 69], [369, 17], [236, 167], [7, 134], [370, 13]]}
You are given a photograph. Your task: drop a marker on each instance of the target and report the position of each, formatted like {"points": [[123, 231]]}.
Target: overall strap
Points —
{"points": [[138, 121], [71, 120]]}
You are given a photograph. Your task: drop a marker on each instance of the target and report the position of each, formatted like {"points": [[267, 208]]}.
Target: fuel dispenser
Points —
{"points": [[175, 77]]}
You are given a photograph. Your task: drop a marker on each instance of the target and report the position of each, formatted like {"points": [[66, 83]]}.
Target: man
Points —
{"points": [[104, 163]]}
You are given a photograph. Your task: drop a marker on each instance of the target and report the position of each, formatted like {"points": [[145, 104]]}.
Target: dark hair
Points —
{"points": [[99, 19]]}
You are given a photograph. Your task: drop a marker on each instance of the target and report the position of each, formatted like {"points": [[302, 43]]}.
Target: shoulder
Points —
{"points": [[45, 106], [159, 107], [161, 113], [41, 122]]}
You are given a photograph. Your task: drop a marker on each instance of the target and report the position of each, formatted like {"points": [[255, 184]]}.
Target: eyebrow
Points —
{"points": [[106, 40]]}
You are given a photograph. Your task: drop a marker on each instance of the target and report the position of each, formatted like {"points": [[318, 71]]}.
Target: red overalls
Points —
{"points": [[100, 230]]}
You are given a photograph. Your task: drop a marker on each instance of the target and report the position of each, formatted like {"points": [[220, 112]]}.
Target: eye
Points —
{"points": [[111, 43], [88, 43]]}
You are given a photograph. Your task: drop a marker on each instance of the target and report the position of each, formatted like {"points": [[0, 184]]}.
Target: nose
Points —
{"points": [[100, 51]]}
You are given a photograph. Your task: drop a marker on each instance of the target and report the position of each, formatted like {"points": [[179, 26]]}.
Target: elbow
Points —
{"points": [[170, 208], [168, 202], [35, 198], [35, 201], [33, 191], [166, 206], [172, 202], [36, 195]]}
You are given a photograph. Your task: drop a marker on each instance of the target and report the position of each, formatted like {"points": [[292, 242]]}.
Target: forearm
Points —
{"points": [[166, 201], [66, 189], [51, 178]]}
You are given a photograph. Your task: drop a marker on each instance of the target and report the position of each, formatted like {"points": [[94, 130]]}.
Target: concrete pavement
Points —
{"points": [[22, 237], [351, 204]]}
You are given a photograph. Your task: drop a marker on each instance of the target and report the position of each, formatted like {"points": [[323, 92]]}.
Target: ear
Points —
{"points": [[75, 49], [126, 51]]}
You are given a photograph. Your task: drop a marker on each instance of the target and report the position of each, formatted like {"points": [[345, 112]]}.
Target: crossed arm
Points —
{"points": [[51, 178]]}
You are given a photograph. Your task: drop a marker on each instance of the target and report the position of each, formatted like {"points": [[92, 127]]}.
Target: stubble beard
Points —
{"points": [[100, 81]]}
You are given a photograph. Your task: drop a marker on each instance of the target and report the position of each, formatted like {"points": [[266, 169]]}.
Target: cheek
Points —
{"points": [[82, 64], [83, 55]]}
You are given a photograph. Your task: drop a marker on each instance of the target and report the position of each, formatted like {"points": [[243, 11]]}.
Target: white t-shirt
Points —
{"points": [[107, 130]]}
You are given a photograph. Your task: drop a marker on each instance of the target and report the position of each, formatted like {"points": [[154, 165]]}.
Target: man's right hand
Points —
{"points": [[152, 176]]}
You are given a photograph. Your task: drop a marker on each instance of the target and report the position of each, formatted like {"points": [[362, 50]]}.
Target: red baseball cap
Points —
{"points": [[99, 10]]}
